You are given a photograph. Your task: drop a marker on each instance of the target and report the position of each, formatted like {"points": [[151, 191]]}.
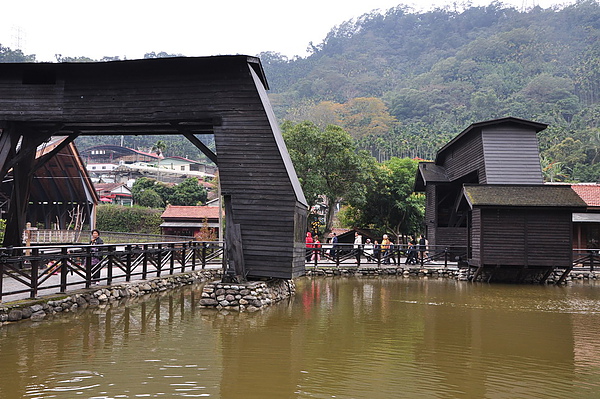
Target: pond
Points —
{"points": [[341, 337]]}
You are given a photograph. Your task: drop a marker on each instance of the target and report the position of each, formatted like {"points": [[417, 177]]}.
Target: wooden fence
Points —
{"points": [[58, 268]]}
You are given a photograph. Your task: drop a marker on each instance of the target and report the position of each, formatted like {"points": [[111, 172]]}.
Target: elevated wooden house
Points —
{"points": [[485, 193], [224, 96]]}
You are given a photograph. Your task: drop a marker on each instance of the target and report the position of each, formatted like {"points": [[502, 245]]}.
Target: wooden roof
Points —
{"points": [[429, 172], [522, 196], [63, 177]]}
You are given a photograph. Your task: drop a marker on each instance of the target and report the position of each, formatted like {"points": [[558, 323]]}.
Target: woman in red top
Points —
{"points": [[309, 245]]}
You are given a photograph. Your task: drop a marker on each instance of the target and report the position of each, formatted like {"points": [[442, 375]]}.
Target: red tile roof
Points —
{"points": [[589, 192], [190, 212]]}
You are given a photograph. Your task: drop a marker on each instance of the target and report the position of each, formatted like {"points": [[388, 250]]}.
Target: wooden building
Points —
{"points": [[586, 225], [114, 193], [225, 96], [193, 221], [485, 192], [116, 154], [62, 195]]}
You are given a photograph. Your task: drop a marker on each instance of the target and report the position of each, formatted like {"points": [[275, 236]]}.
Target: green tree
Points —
{"points": [[151, 199], [159, 148], [8, 55], [327, 163], [189, 192], [390, 205]]}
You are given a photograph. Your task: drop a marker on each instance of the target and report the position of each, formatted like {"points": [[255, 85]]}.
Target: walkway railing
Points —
{"points": [[347, 255], [57, 268], [586, 259], [57, 237]]}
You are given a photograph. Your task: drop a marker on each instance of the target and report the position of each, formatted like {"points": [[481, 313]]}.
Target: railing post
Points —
{"points": [[128, 249], [64, 265], [204, 251], [34, 273], [109, 268], [592, 261], [445, 258], [88, 268], [183, 252], [145, 262], [159, 260], [172, 250]]}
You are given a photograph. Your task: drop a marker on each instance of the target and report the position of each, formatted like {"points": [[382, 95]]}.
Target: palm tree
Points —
{"points": [[159, 148]]}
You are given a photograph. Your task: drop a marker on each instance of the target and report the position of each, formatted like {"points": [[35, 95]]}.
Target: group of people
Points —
{"points": [[387, 250]]}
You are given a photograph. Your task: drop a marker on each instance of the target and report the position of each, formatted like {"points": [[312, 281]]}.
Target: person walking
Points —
{"points": [[309, 245], [334, 244], [411, 252], [385, 247], [95, 259], [422, 248], [369, 248], [357, 246], [317, 249]]}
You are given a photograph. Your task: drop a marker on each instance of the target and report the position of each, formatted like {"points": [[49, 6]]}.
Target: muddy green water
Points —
{"points": [[337, 338]]}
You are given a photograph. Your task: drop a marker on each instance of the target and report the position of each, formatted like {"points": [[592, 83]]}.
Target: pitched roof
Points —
{"points": [[190, 212], [107, 186], [589, 192], [523, 196], [429, 172]]}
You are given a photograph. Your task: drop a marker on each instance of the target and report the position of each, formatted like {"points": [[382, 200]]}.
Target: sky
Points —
{"points": [[131, 28]]}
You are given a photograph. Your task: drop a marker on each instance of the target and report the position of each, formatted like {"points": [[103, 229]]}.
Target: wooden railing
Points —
{"points": [[586, 259], [58, 268], [353, 255], [56, 237]]}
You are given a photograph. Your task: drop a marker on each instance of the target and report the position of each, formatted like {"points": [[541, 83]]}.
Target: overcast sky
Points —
{"points": [[131, 28]]}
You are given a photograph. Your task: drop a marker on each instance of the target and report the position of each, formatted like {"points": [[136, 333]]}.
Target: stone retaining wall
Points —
{"points": [[39, 309], [250, 296]]}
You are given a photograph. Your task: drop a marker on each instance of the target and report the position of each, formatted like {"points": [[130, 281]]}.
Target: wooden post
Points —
{"points": [[145, 262], [233, 236], [128, 250]]}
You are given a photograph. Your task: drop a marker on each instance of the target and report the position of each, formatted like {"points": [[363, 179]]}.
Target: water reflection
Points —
{"points": [[338, 337]]}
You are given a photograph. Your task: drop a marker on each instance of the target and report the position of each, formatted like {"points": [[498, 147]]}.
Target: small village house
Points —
{"points": [[200, 222]]}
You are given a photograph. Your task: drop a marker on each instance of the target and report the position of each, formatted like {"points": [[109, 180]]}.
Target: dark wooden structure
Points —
{"points": [[62, 194], [225, 96], [485, 191]]}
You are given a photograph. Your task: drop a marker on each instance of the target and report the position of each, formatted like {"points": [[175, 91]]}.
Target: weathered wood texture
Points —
{"points": [[221, 95], [502, 164], [430, 213], [465, 159], [521, 237]]}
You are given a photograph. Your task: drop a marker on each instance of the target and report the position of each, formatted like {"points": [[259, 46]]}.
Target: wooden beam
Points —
{"points": [[202, 147], [20, 192], [46, 157]]}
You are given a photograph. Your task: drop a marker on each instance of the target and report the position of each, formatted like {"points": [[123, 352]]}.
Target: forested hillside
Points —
{"points": [[403, 83]]}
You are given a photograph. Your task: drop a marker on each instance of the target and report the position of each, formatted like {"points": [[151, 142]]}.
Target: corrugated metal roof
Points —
{"points": [[523, 196]]}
